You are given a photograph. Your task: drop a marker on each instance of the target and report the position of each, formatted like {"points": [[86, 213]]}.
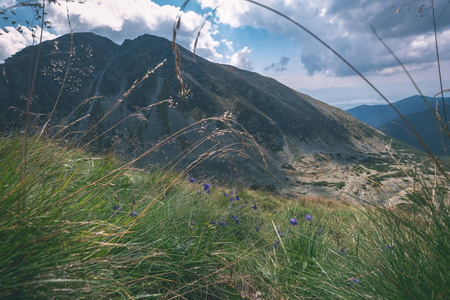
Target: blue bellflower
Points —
{"points": [[276, 244], [116, 209], [355, 279]]}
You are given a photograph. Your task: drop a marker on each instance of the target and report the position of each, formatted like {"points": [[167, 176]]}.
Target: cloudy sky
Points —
{"points": [[245, 35]]}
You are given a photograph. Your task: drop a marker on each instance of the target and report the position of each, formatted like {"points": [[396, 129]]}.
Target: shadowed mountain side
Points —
{"points": [[379, 115], [426, 125], [416, 111], [286, 123]]}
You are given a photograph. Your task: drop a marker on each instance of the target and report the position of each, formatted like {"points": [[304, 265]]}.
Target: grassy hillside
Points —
{"points": [[77, 226]]}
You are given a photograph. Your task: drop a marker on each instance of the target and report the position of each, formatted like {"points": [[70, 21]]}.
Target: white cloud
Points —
{"points": [[241, 59], [228, 12], [229, 44], [15, 41], [8, 3], [119, 20]]}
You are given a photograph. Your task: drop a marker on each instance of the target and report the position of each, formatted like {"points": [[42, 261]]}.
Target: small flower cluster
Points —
{"points": [[117, 209], [294, 222], [275, 245], [207, 188], [233, 197]]}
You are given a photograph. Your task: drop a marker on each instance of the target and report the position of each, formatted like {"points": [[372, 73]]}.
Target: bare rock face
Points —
{"points": [[285, 123]]}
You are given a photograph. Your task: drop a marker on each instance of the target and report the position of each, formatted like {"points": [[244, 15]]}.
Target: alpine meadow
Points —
{"points": [[131, 167]]}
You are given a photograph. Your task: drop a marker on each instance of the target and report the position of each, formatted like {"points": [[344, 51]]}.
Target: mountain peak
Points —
{"points": [[286, 123]]}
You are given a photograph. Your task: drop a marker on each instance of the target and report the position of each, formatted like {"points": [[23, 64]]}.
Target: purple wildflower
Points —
{"points": [[134, 214], [222, 223], [257, 228], [208, 192], [231, 198], [275, 246], [343, 251], [355, 279], [225, 194], [237, 197], [117, 210], [308, 217], [206, 187], [279, 232], [293, 222], [254, 207], [192, 180]]}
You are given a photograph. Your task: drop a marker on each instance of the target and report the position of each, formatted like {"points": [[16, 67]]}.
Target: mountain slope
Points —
{"points": [[284, 122], [426, 125], [415, 110], [378, 115]]}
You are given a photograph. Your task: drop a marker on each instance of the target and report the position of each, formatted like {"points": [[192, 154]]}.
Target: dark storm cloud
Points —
{"points": [[384, 17], [279, 66], [408, 34]]}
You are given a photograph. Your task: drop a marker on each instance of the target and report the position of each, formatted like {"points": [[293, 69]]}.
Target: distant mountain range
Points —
{"points": [[286, 123], [416, 111]]}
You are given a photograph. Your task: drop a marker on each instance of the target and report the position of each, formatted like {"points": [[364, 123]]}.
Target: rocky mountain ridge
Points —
{"points": [[287, 124]]}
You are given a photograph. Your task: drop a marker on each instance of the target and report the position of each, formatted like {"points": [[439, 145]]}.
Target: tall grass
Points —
{"points": [[93, 227]]}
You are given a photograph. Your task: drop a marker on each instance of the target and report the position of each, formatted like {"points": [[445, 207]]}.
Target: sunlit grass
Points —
{"points": [[75, 237]]}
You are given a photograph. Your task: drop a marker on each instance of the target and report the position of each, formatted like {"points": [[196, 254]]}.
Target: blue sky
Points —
{"points": [[249, 37]]}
